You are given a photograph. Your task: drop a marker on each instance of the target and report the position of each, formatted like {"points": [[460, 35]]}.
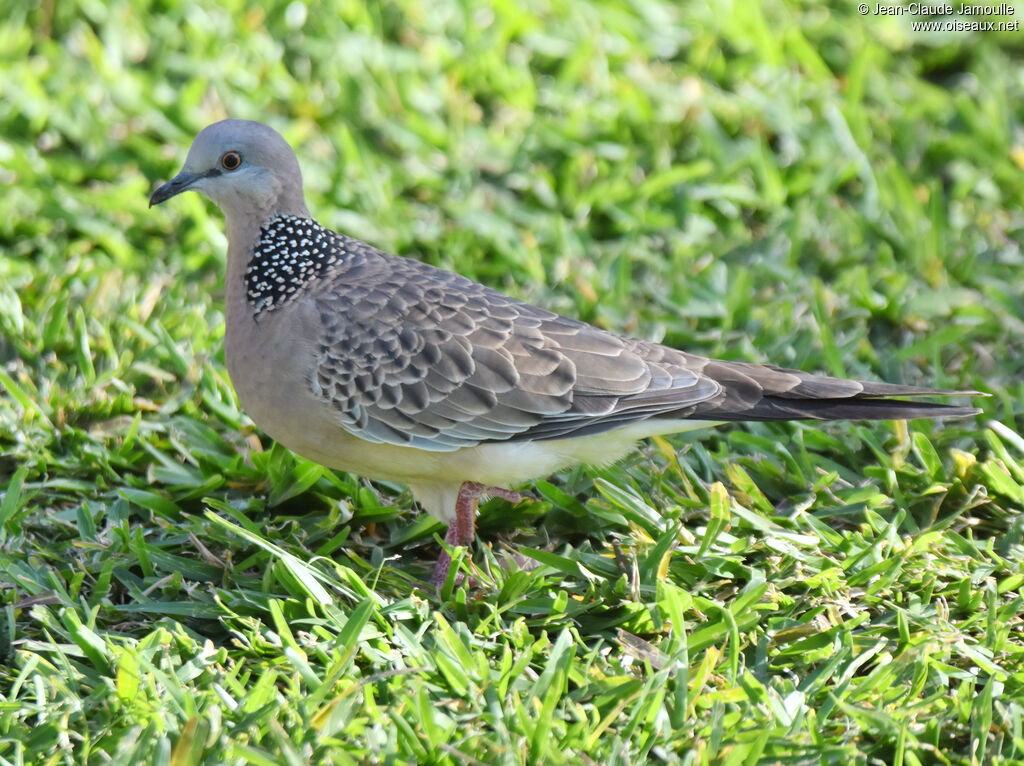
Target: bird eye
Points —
{"points": [[231, 160]]}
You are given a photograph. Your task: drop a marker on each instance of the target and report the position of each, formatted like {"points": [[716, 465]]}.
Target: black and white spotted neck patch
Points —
{"points": [[291, 252]]}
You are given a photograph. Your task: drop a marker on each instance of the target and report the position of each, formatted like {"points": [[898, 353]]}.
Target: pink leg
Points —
{"points": [[460, 531]]}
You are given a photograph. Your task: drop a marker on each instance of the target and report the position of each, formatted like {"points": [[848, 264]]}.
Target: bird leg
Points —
{"points": [[461, 530]]}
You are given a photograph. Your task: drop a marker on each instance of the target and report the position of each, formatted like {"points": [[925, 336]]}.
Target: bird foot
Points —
{"points": [[461, 530]]}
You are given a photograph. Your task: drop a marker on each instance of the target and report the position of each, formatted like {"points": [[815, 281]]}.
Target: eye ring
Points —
{"points": [[231, 161]]}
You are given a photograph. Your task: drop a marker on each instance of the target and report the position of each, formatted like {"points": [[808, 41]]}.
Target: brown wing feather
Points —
{"points": [[419, 356]]}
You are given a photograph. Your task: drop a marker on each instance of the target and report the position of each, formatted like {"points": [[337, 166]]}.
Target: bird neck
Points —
{"points": [[242, 238], [244, 216], [272, 266]]}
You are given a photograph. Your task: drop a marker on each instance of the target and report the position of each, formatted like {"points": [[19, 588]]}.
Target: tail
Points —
{"points": [[854, 408], [767, 392]]}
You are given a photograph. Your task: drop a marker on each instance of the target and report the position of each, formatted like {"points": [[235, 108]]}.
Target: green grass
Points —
{"points": [[761, 181]]}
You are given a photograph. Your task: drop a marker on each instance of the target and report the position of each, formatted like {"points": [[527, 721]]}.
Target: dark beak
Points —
{"points": [[175, 186]]}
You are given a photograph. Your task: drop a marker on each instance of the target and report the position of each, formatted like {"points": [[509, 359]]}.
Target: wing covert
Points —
{"points": [[417, 356]]}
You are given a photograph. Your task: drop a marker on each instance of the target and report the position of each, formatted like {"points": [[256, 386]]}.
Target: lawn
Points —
{"points": [[770, 182]]}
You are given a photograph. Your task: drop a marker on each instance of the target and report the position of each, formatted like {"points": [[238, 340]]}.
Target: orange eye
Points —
{"points": [[231, 160]]}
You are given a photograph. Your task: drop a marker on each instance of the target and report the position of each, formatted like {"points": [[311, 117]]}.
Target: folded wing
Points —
{"points": [[417, 356]]}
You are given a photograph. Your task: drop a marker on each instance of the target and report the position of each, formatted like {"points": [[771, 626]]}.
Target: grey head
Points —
{"points": [[246, 168]]}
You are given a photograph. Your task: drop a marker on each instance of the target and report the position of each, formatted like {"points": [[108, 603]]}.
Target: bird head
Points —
{"points": [[245, 167]]}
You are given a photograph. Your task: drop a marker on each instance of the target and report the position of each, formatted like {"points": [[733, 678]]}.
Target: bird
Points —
{"points": [[390, 368]]}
